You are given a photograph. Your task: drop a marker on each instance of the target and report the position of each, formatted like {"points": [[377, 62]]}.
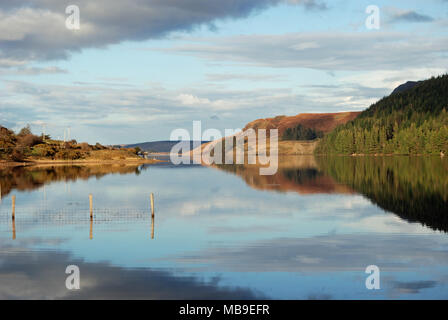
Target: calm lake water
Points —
{"points": [[309, 232]]}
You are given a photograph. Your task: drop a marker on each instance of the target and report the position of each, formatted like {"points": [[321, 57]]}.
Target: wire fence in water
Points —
{"points": [[70, 216]]}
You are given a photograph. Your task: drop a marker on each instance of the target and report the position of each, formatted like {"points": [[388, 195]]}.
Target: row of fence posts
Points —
{"points": [[13, 198]]}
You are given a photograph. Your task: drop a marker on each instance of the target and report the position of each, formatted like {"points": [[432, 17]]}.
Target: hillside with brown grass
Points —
{"points": [[324, 122]]}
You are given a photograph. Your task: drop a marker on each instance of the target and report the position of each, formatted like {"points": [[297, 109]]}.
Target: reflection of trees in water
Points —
{"points": [[414, 188], [301, 175], [33, 177]]}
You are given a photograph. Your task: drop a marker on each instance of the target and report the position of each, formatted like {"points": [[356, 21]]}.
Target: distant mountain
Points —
{"points": [[413, 120], [159, 146], [406, 86]]}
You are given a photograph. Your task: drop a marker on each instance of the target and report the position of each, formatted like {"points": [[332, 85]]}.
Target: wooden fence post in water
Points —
{"points": [[152, 215], [91, 228], [152, 227], [91, 205], [152, 204], [91, 216], [13, 229], [13, 217], [13, 207]]}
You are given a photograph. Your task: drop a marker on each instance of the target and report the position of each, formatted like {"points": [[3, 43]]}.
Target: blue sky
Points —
{"points": [[137, 70]]}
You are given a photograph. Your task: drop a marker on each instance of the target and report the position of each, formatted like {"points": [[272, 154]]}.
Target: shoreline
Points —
{"points": [[377, 155], [6, 163]]}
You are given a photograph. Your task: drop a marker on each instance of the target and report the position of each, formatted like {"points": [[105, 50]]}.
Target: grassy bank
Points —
{"points": [[25, 147]]}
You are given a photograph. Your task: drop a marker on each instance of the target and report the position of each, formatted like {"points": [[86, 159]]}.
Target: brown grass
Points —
{"points": [[324, 122]]}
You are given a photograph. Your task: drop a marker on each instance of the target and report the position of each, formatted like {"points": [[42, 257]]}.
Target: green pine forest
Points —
{"points": [[408, 123], [301, 133]]}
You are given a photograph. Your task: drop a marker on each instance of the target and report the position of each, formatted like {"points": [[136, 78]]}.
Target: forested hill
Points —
{"points": [[413, 121]]}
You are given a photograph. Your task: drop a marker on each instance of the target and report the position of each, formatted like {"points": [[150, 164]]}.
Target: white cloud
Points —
{"points": [[335, 51], [191, 100], [36, 31], [392, 78]]}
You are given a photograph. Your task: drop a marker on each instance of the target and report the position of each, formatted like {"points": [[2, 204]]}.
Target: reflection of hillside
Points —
{"points": [[298, 174], [33, 177], [414, 188]]}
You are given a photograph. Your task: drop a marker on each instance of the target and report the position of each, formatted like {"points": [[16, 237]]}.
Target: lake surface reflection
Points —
{"points": [[308, 232]]}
